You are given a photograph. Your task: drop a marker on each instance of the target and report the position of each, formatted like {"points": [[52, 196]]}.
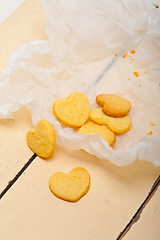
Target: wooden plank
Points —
{"points": [[148, 226], [30, 210], [26, 24], [14, 151]]}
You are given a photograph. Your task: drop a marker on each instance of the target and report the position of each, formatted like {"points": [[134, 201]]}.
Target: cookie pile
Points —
{"points": [[109, 119], [113, 112]]}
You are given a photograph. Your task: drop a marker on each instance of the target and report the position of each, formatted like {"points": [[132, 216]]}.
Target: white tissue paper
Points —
{"points": [[87, 42]]}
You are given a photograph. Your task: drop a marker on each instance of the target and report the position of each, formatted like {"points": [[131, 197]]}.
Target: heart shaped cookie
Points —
{"points": [[41, 140], [117, 125], [70, 187], [102, 130], [113, 105], [72, 111]]}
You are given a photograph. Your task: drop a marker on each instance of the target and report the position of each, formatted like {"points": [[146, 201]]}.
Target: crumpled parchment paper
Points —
{"points": [[87, 42]]}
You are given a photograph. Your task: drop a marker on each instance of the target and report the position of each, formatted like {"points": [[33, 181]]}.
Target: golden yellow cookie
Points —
{"points": [[102, 130], [101, 99], [41, 139], [115, 106], [70, 187], [117, 125], [72, 111]]}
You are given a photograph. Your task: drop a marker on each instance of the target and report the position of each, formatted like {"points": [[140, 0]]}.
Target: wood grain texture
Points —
{"points": [[29, 210], [14, 151], [26, 24]]}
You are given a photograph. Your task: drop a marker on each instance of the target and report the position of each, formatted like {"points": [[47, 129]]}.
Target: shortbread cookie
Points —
{"points": [[41, 140], [70, 187], [101, 99], [117, 125], [115, 106], [102, 130], [73, 111]]}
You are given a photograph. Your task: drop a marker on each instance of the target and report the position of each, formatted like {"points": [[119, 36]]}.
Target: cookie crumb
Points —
{"points": [[136, 73], [133, 51], [156, 5], [140, 85], [125, 55], [129, 79], [150, 133]]}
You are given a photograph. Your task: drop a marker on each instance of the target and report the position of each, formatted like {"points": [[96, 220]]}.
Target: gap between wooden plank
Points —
{"points": [[136, 216], [10, 183], [134, 219]]}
